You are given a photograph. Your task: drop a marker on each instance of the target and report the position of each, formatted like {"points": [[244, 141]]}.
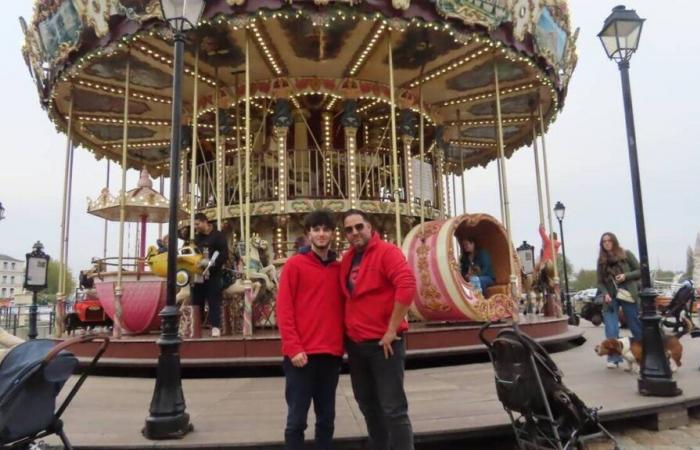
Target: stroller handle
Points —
{"points": [[77, 340], [482, 332]]}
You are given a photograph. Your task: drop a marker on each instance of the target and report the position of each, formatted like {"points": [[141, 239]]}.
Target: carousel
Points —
{"points": [[290, 106]]}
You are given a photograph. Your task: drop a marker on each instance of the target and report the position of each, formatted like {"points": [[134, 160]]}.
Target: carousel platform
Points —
{"points": [[425, 343], [447, 404]]}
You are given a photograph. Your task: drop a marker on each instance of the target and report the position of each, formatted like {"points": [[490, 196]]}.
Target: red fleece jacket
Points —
{"points": [[309, 306], [384, 278]]}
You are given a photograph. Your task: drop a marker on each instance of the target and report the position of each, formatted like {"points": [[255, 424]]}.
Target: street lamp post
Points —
{"points": [[620, 38], [168, 419], [35, 280], [559, 210]]}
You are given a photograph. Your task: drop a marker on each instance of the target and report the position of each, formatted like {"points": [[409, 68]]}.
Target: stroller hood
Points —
{"points": [[26, 358]]}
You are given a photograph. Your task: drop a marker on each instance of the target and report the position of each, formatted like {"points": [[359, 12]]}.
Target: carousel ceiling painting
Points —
{"points": [[317, 55]]}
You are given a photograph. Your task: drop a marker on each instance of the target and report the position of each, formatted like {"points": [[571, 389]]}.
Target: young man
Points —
{"points": [[310, 320], [210, 241], [378, 287]]}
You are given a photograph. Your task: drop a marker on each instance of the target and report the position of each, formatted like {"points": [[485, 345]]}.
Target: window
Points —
{"points": [[12, 291], [12, 279], [4, 279], [4, 292], [4, 265], [13, 266]]}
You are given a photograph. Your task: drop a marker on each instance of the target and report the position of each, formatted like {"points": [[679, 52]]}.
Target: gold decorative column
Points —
{"points": [[407, 141], [351, 148]]}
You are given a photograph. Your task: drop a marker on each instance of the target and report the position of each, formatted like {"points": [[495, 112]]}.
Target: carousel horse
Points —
{"points": [[259, 264]]}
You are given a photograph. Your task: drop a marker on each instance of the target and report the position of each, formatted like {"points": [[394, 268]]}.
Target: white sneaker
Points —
{"points": [[611, 365], [215, 332]]}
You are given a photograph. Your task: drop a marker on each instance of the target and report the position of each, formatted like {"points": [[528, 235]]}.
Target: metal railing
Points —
{"points": [[15, 320]]}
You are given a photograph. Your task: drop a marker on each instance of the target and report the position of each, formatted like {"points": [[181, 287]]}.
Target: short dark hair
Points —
{"points": [[317, 218], [201, 217], [355, 212]]}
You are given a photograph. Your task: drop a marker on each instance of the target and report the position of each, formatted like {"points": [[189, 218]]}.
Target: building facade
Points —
{"points": [[11, 276]]}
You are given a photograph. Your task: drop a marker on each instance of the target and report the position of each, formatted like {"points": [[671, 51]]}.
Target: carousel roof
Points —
{"points": [[315, 53]]}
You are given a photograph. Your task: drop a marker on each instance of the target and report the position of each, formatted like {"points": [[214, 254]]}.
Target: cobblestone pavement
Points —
{"points": [[631, 436]]}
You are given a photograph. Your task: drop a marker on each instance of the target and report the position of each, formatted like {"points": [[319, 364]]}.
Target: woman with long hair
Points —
{"points": [[475, 264], [618, 282]]}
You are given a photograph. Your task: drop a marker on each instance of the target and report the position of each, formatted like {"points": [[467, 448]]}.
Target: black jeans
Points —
{"points": [[378, 386], [316, 381], [209, 291]]}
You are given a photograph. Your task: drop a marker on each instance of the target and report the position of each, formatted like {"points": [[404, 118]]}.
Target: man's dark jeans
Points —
{"points": [[209, 291], [378, 386], [316, 381]]}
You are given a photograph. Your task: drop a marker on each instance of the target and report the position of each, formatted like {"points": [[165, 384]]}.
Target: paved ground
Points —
{"points": [[448, 402]]}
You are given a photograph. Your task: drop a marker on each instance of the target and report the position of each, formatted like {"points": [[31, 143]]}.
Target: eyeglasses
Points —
{"points": [[357, 227]]}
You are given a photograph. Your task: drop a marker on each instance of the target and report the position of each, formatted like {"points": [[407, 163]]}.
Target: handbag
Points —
{"points": [[623, 294]]}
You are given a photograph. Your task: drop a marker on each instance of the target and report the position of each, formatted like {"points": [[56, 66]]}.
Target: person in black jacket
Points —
{"points": [[212, 243]]}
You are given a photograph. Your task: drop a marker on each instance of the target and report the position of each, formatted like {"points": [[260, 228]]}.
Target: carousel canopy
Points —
{"points": [[141, 202], [316, 54]]}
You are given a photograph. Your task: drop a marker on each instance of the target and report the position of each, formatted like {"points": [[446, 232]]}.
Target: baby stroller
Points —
{"points": [[31, 377], [544, 413], [680, 308]]}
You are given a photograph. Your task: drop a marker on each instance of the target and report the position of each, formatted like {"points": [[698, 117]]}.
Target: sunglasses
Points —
{"points": [[358, 227]]}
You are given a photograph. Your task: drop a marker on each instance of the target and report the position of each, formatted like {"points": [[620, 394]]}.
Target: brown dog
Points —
{"points": [[631, 351]]}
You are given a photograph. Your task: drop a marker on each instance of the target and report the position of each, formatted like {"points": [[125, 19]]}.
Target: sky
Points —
{"points": [[586, 150]]}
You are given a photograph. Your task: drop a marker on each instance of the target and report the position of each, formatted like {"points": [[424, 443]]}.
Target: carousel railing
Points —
{"points": [[130, 264], [310, 174]]}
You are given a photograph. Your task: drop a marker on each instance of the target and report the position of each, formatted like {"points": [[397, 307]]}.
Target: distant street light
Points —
{"points": [[620, 37], [559, 210], [167, 418]]}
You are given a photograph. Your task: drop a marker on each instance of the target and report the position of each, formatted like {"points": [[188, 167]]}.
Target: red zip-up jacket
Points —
{"points": [[309, 306], [384, 278]]}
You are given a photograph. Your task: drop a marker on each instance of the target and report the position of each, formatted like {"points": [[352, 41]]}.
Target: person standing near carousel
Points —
{"points": [[212, 243], [618, 282], [378, 286], [310, 321]]}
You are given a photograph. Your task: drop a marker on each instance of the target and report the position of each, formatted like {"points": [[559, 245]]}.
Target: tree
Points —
{"points": [[560, 269], [689, 264], [585, 279], [49, 295]]}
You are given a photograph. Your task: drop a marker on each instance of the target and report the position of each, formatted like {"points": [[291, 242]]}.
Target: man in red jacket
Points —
{"points": [[378, 287], [310, 320]]}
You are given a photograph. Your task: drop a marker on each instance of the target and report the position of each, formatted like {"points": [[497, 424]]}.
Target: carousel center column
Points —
{"points": [[282, 120]]}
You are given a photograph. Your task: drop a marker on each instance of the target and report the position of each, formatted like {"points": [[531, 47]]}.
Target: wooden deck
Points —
{"points": [[445, 403]]}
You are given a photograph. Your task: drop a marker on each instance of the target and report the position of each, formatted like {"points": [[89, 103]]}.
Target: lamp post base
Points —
{"points": [[655, 376], [658, 387], [170, 427], [167, 418]]}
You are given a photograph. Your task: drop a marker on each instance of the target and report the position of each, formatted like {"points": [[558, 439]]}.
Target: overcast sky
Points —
{"points": [[588, 159]]}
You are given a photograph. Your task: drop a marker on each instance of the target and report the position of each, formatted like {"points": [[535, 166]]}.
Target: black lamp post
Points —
{"points": [[559, 210], [168, 419], [620, 37], [35, 280]]}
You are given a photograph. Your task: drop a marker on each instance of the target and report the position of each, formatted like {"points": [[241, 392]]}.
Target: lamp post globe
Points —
{"points": [[559, 211], [620, 38], [167, 416]]}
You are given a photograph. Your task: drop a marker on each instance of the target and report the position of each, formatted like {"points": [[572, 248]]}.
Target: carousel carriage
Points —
{"points": [[294, 106]]}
